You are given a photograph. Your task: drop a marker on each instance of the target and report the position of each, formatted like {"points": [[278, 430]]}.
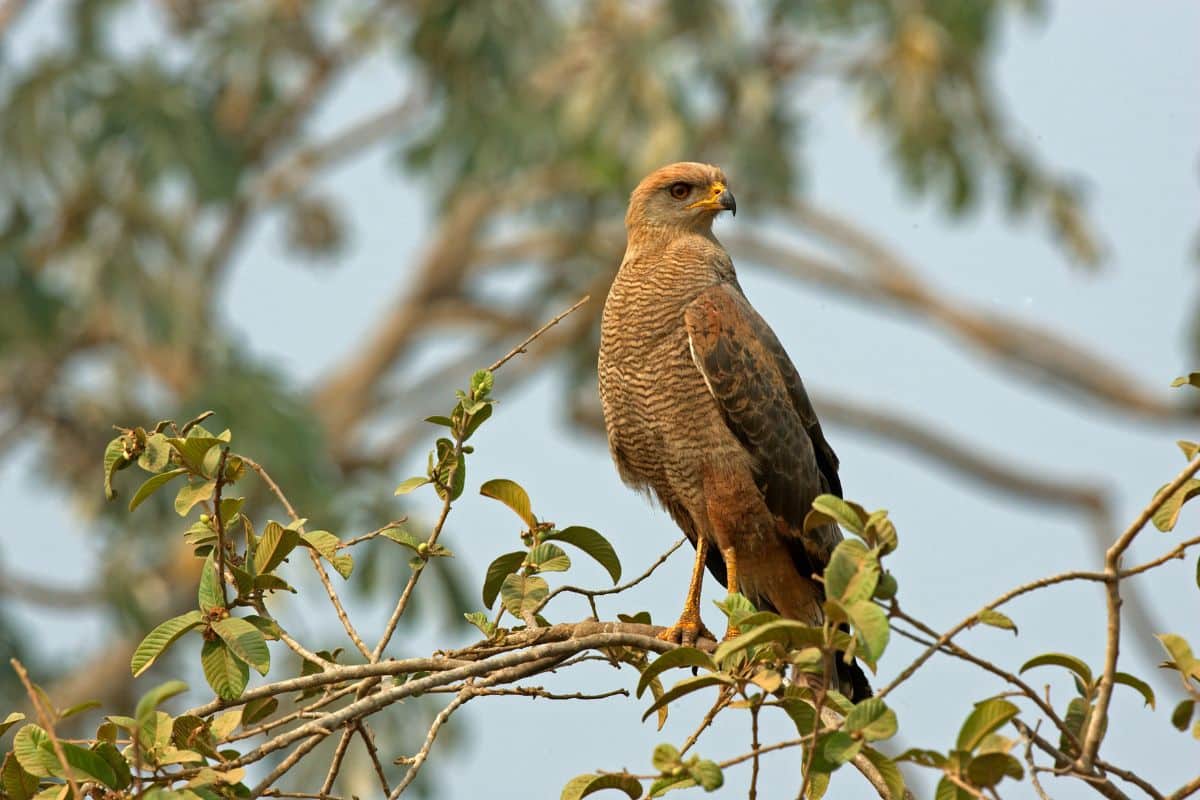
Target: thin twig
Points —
{"points": [[338, 608], [1112, 568], [292, 760], [1033, 768], [511, 354], [723, 698], [335, 763], [1187, 790], [46, 719], [368, 737], [396, 523], [219, 523], [417, 760], [754, 746], [592, 593]]}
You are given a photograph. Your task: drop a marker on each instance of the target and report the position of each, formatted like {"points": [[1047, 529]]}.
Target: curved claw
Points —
{"points": [[686, 631]]}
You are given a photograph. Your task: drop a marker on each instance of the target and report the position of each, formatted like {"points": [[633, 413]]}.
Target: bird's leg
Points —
{"points": [[689, 627], [731, 584]]}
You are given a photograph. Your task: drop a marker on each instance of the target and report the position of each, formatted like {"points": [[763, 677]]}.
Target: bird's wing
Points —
{"points": [[765, 406]]}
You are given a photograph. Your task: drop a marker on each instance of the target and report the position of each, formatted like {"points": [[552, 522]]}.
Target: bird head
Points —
{"points": [[685, 196]]}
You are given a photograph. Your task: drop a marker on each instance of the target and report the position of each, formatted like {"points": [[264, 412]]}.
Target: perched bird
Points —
{"points": [[705, 410]]}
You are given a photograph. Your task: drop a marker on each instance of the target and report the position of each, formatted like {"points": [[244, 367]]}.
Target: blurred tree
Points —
{"points": [[130, 173]]}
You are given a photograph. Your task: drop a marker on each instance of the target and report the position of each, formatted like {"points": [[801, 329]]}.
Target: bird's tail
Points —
{"points": [[851, 680]]}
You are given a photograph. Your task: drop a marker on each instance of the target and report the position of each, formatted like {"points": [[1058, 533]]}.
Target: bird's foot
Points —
{"points": [[732, 632], [686, 631]]}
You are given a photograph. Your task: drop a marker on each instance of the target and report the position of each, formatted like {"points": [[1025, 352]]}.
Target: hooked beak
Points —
{"points": [[719, 199], [727, 201]]}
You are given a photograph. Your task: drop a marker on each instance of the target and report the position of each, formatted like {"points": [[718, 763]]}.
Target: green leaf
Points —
{"points": [[209, 592], [480, 620], [225, 672], [327, 544], [402, 537], [12, 719], [1181, 717], [481, 383], [154, 484], [839, 747], [640, 618], [120, 767], [521, 594], [871, 628], [1061, 660], [16, 782], [948, 790], [892, 777], [152, 699], [157, 453], [801, 712], [259, 709], [736, 607], [114, 459], [1138, 685], [500, 568], [790, 634], [193, 493], [673, 659], [1168, 513], [873, 719], [997, 620], [274, 546], [685, 687], [85, 765], [708, 774], [924, 758], [670, 783], [852, 573], [476, 419], [411, 484], [987, 717], [512, 495], [162, 637], [828, 508], [592, 543], [584, 785], [1181, 654], [269, 628], [246, 641], [78, 708], [665, 757], [29, 751], [548, 557], [887, 586], [438, 419], [988, 769]]}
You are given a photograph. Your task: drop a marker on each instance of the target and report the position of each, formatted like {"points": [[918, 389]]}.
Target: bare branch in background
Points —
{"points": [[1037, 353]]}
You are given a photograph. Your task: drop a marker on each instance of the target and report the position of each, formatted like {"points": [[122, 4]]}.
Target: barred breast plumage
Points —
{"points": [[705, 412]]}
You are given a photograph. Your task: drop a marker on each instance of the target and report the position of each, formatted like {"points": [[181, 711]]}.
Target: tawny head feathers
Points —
{"points": [[685, 195]]}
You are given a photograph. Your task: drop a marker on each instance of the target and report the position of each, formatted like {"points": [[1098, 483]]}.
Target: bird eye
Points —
{"points": [[680, 190]]}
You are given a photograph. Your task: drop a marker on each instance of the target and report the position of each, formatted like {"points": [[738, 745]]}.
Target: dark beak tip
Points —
{"points": [[728, 202]]}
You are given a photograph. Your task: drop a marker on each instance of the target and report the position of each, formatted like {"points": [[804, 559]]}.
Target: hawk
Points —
{"points": [[705, 410]]}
